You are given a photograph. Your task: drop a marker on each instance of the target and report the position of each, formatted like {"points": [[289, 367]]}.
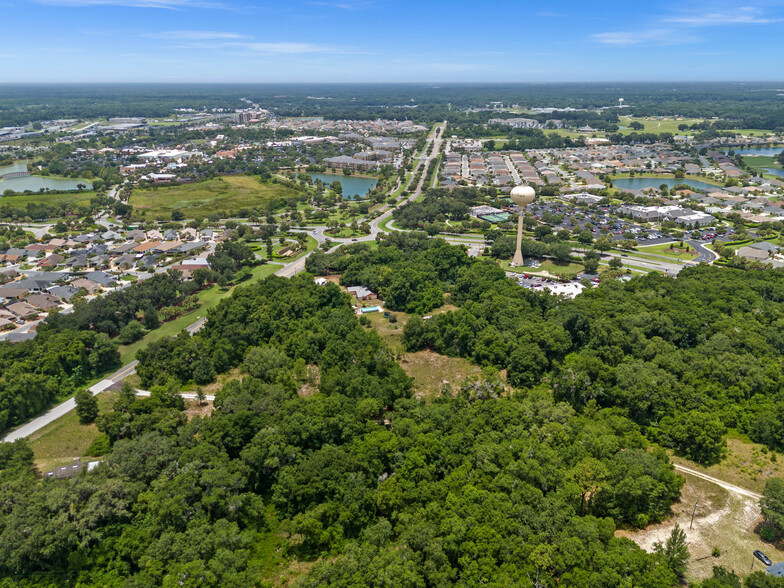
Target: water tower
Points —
{"points": [[620, 102], [522, 196]]}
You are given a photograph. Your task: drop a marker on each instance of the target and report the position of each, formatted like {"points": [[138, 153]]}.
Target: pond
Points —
{"points": [[35, 183], [774, 172], [353, 186], [746, 151], [644, 183]]}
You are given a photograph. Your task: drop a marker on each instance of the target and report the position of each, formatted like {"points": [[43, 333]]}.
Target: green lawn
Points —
{"points": [[553, 268], [665, 250], [22, 200], [668, 125], [204, 198], [761, 162]]}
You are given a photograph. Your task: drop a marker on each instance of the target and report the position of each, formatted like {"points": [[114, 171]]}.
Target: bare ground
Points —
{"points": [[723, 520]]}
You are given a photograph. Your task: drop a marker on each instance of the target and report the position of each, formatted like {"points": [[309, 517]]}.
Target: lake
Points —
{"points": [[35, 183], [771, 151], [353, 187], [644, 183], [774, 172]]}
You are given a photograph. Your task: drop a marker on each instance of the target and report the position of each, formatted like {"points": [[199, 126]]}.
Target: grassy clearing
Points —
{"points": [[66, 439], [431, 371], [558, 268], [564, 133], [546, 268], [746, 465], [204, 198], [391, 333], [754, 132]]}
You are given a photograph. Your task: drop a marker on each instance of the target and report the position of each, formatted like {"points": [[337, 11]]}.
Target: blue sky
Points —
{"points": [[389, 41]]}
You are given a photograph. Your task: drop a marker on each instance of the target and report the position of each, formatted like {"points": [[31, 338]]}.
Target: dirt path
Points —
{"points": [[723, 484], [723, 530]]}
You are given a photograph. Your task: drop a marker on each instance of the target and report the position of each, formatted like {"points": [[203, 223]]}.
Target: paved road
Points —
{"points": [[64, 408], [705, 254], [727, 486]]}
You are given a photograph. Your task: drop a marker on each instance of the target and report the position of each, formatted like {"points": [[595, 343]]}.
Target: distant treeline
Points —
{"points": [[749, 105]]}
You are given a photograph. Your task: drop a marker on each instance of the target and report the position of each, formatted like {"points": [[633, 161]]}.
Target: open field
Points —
{"points": [[723, 519], [761, 162], [565, 133], [547, 268], [204, 198], [668, 125], [431, 371], [704, 179], [66, 439], [22, 200], [753, 132], [746, 465]]}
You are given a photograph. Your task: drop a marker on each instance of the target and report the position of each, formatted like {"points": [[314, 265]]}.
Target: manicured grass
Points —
{"points": [[548, 266], [345, 233], [704, 179], [754, 132], [665, 250], [668, 125], [22, 200], [570, 134], [561, 269], [204, 198]]}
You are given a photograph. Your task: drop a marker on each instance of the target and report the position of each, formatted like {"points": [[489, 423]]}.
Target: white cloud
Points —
{"points": [[167, 4], [289, 48], [741, 15], [644, 37], [195, 35], [345, 4]]}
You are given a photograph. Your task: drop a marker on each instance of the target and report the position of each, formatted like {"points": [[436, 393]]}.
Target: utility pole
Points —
{"points": [[692, 520]]}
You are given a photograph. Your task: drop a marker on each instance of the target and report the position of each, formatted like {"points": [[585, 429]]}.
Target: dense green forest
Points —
{"points": [[318, 452], [36, 373], [683, 358], [378, 487]]}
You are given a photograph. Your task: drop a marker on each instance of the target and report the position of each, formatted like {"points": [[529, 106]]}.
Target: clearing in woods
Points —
{"points": [[724, 519]]}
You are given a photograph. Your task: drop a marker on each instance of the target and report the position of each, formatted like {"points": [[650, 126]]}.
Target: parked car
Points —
{"points": [[762, 557]]}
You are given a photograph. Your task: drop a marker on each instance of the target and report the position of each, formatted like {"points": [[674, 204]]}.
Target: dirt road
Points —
{"points": [[723, 484]]}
